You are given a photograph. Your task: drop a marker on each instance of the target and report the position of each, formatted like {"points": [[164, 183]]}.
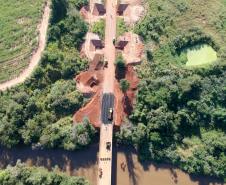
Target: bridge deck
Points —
{"points": [[105, 155]]}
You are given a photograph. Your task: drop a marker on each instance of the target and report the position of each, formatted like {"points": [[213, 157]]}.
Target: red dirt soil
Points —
{"points": [[123, 102], [91, 84], [92, 111]]}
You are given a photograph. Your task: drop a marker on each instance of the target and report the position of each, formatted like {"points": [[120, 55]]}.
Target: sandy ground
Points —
{"points": [[134, 50], [36, 56], [88, 17], [109, 54], [86, 47], [133, 12]]}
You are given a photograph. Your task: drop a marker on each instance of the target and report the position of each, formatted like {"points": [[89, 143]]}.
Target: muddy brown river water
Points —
{"points": [[83, 163]]}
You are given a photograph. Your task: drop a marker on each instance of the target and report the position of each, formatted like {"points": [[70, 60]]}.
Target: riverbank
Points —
{"points": [[84, 163]]}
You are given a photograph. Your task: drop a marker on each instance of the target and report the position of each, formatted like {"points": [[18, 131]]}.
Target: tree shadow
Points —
{"points": [[50, 158], [129, 152], [175, 172], [114, 165], [199, 179], [86, 159], [128, 106]]}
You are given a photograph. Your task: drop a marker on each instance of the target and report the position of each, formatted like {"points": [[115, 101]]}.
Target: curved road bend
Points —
{"points": [[36, 56], [106, 130]]}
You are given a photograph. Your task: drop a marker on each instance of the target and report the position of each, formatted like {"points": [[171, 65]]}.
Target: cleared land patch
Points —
{"points": [[18, 34], [201, 55]]}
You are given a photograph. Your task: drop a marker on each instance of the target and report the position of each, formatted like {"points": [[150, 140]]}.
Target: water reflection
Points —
{"points": [[83, 163]]}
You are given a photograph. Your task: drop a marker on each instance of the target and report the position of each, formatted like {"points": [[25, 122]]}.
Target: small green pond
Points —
{"points": [[200, 55]]}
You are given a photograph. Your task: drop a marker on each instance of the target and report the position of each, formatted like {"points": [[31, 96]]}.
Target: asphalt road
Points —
{"points": [[107, 103]]}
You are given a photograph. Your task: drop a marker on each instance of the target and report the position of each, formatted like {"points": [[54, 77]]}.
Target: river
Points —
{"points": [[83, 163]]}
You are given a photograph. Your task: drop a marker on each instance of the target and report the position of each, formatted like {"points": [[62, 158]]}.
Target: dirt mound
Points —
{"points": [[84, 12], [119, 105], [93, 13], [92, 111], [133, 13], [123, 101], [133, 50], [131, 10], [89, 82], [92, 46]]}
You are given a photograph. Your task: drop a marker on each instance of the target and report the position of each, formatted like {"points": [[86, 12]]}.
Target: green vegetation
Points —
{"points": [[121, 27], [124, 85], [18, 34], [23, 175], [200, 55], [180, 112], [120, 67], [99, 28], [78, 4], [39, 111]]}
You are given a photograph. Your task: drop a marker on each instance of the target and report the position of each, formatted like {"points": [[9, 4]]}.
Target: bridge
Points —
{"points": [[106, 129]]}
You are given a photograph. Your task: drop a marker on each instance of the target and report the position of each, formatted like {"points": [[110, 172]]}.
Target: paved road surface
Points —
{"points": [[107, 103], [105, 156]]}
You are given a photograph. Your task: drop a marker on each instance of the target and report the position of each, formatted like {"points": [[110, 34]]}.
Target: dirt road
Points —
{"points": [[109, 53], [36, 56]]}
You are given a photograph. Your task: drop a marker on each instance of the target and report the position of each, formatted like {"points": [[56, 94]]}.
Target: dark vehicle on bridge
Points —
{"points": [[105, 64], [110, 114], [108, 145]]}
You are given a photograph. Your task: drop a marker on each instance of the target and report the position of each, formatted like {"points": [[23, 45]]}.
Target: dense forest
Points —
{"points": [[39, 112], [180, 113], [23, 175]]}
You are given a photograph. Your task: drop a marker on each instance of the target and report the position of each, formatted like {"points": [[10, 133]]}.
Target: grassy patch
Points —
{"points": [[200, 56], [18, 34], [182, 24], [99, 28], [121, 27]]}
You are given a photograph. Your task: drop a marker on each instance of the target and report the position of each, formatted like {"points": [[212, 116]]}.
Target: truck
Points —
{"points": [[110, 114]]}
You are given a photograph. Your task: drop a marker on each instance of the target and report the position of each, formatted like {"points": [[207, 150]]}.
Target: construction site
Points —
{"points": [[90, 82], [108, 104]]}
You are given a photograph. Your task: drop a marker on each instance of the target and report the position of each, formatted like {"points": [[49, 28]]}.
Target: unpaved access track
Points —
{"points": [[109, 52], [37, 54]]}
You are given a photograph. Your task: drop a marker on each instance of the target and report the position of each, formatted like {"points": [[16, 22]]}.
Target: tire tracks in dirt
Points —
{"points": [[36, 56]]}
